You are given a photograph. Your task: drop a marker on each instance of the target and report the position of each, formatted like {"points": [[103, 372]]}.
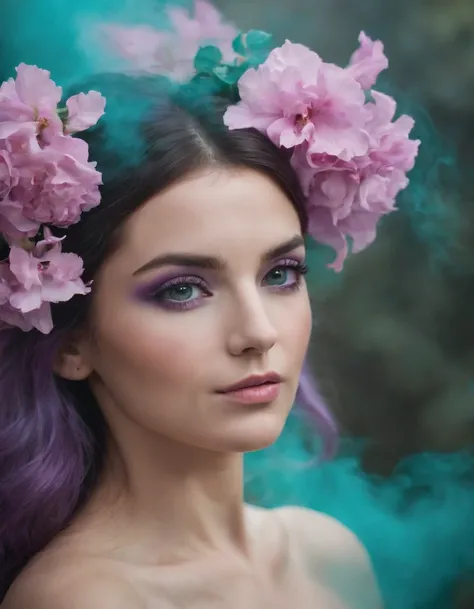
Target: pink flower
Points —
{"points": [[9, 316], [45, 175], [347, 199], [84, 110], [33, 279], [206, 28], [31, 98], [19, 137], [360, 226], [295, 97], [55, 186], [342, 202], [367, 62], [45, 178], [348, 203], [350, 154], [5, 289], [8, 174], [13, 224], [391, 145], [339, 208], [332, 188], [159, 52], [171, 52], [138, 44]]}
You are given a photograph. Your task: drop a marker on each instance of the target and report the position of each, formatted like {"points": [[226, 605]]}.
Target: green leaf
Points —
{"points": [[258, 41], [238, 44], [256, 59], [207, 58], [230, 74], [224, 75]]}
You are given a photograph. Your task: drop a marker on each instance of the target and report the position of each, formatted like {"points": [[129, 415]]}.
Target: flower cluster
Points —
{"points": [[352, 157], [172, 52], [46, 179]]}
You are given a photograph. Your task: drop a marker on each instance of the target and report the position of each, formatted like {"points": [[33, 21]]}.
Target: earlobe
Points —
{"points": [[71, 371], [71, 363]]}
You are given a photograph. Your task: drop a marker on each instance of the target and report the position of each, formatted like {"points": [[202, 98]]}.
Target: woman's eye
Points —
{"points": [[188, 292], [280, 276], [287, 275], [181, 293]]}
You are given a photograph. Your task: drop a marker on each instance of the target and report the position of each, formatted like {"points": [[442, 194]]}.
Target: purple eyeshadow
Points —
{"points": [[150, 292], [145, 292]]}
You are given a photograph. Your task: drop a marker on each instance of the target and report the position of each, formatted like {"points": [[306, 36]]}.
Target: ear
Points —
{"points": [[72, 361]]}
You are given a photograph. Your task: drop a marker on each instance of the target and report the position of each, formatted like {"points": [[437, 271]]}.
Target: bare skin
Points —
{"points": [[285, 567], [167, 526]]}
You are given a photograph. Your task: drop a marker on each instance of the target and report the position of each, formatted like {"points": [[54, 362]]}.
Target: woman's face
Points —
{"points": [[205, 290]]}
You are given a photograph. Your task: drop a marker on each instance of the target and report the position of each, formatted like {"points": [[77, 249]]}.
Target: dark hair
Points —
{"points": [[52, 433]]}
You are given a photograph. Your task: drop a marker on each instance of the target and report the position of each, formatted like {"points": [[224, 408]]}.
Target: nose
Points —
{"points": [[251, 326]]}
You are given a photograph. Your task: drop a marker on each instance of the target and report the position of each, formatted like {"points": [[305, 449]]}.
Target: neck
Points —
{"points": [[172, 501]]}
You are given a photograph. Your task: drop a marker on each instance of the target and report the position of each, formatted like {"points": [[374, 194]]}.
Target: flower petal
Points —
{"points": [[84, 111], [368, 61], [35, 87]]}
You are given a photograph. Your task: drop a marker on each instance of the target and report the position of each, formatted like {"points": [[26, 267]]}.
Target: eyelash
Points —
{"points": [[300, 268]]}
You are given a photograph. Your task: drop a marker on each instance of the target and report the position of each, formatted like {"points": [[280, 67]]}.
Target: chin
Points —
{"points": [[256, 433]]}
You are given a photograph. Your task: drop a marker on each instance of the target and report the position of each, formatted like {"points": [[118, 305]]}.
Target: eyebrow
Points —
{"points": [[213, 263]]}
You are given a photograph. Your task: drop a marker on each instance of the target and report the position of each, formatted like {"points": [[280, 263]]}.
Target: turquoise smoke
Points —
{"points": [[417, 525]]}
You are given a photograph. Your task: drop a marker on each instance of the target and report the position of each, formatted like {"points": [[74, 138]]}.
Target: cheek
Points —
{"points": [[155, 348], [296, 324]]}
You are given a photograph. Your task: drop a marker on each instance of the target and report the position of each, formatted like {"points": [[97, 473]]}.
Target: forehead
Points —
{"points": [[213, 211]]}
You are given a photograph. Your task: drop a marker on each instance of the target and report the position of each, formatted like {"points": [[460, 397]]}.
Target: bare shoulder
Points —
{"points": [[77, 584], [332, 552], [324, 537]]}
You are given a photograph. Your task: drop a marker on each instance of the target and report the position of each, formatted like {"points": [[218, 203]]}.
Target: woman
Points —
{"points": [[179, 348]]}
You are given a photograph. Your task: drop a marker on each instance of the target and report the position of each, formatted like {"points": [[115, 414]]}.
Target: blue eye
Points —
{"points": [[279, 276], [180, 293], [187, 292], [286, 276]]}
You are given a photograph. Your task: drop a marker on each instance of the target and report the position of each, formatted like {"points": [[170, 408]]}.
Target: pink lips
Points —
{"points": [[255, 389]]}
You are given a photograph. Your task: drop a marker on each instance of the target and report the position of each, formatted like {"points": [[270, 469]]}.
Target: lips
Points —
{"points": [[271, 378]]}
